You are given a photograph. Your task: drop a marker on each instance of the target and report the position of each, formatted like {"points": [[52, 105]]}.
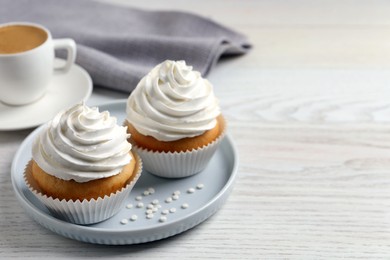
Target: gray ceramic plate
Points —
{"points": [[202, 202]]}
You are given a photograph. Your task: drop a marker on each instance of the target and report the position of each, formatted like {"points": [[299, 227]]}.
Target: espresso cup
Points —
{"points": [[27, 61]]}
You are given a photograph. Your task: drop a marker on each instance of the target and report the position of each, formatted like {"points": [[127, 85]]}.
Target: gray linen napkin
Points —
{"points": [[119, 45]]}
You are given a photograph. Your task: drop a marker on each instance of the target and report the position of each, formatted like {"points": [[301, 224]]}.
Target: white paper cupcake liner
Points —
{"points": [[87, 211], [178, 164]]}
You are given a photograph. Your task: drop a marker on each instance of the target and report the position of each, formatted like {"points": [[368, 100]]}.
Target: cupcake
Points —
{"points": [[174, 120], [82, 166]]}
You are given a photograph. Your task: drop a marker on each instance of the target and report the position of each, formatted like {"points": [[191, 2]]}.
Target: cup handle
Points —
{"points": [[70, 46]]}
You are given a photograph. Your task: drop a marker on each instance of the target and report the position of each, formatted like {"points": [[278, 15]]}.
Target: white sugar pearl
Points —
{"points": [[172, 210], [175, 197], [133, 218], [150, 206], [191, 190], [155, 202], [165, 212], [149, 216], [129, 206], [138, 198], [151, 190], [184, 206], [146, 193], [163, 219], [176, 192], [154, 210], [149, 211], [200, 186], [124, 221], [168, 200], [140, 205]]}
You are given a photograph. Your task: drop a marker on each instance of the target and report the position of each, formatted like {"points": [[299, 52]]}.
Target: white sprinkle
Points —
{"points": [[124, 221], [150, 206], [151, 190], [184, 206], [138, 198], [163, 219], [165, 212], [149, 211], [154, 210], [149, 216], [155, 202], [140, 205], [172, 210], [168, 200], [146, 193], [200, 186], [176, 192], [191, 190], [133, 218], [175, 197], [129, 206]]}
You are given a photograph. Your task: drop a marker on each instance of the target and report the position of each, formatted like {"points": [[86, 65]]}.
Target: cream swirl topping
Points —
{"points": [[82, 144], [172, 102]]}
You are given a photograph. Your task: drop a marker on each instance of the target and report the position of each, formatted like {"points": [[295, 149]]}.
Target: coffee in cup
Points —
{"points": [[26, 61], [20, 38]]}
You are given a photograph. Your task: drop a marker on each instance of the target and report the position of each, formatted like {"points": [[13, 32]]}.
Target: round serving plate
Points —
{"points": [[199, 197]]}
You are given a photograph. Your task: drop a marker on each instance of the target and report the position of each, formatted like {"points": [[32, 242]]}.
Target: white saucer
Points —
{"points": [[63, 91]]}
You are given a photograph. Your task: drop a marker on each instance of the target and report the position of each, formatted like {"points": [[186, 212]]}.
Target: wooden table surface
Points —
{"points": [[309, 111]]}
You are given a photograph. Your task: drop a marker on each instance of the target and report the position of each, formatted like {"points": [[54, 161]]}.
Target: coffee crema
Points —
{"points": [[20, 38]]}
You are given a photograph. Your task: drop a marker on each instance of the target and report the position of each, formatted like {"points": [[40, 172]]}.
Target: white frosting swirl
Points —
{"points": [[172, 102], [82, 144]]}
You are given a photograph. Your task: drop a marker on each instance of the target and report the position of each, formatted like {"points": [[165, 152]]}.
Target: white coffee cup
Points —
{"points": [[27, 61]]}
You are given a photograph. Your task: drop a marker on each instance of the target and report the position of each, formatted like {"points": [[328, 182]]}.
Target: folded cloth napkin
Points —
{"points": [[119, 45]]}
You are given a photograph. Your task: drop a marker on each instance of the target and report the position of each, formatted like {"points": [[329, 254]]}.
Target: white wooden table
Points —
{"points": [[309, 110]]}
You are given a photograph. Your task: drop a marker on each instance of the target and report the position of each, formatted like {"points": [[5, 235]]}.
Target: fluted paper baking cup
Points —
{"points": [[178, 164], [87, 211]]}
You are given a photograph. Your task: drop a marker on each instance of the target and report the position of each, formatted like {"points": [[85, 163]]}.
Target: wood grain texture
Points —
{"points": [[308, 109]]}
